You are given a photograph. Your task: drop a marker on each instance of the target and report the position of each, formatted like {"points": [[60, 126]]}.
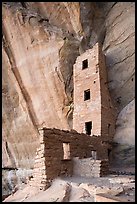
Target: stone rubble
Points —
{"points": [[79, 189]]}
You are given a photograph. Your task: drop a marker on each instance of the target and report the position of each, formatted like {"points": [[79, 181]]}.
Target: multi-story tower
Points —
{"points": [[93, 113]]}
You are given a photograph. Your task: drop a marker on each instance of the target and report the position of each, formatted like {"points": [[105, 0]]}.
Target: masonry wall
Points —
{"points": [[89, 110], [40, 170], [49, 160], [81, 146], [88, 167], [108, 112], [54, 139], [99, 108]]}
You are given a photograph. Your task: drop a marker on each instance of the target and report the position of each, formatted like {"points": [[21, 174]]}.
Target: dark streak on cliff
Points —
{"points": [[19, 80]]}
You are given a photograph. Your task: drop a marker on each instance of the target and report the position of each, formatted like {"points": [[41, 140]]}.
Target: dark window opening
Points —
{"points": [[132, 79], [109, 151], [66, 149], [87, 95], [85, 64], [108, 129], [88, 127]]}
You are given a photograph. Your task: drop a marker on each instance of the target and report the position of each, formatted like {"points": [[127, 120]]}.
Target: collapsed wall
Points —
{"points": [[90, 167]]}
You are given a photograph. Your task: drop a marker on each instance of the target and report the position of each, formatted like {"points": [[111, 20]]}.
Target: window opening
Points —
{"points": [[87, 95], [66, 149], [109, 151], [108, 129], [85, 64], [88, 127], [94, 154]]}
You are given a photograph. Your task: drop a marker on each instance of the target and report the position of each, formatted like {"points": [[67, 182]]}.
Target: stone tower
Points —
{"points": [[93, 113]]}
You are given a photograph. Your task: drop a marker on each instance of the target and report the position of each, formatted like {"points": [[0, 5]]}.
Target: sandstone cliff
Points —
{"points": [[41, 41]]}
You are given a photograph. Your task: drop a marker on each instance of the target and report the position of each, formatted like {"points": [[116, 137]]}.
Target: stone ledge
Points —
{"points": [[102, 197]]}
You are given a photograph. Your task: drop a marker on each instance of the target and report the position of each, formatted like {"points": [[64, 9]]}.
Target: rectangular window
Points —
{"points": [[85, 64], [88, 127], [87, 95], [108, 129], [66, 149], [94, 154]]}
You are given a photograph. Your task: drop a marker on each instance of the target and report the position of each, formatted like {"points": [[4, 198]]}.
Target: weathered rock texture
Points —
{"points": [[78, 189], [119, 47], [41, 41]]}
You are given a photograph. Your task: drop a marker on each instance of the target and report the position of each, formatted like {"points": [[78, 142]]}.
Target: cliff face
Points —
{"points": [[41, 41]]}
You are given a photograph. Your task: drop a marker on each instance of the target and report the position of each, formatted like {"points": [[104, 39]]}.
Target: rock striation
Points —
{"points": [[40, 43]]}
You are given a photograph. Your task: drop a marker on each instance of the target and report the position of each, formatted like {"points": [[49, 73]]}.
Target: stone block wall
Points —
{"points": [[39, 173], [108, 112], [84, 79], [89, 167], [50, 162], [99, 108]]}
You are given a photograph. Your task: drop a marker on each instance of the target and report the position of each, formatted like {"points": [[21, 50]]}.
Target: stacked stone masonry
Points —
{"points": [[90, 168], [98, 108], [39, 173], [65, 153], [50, 162]]}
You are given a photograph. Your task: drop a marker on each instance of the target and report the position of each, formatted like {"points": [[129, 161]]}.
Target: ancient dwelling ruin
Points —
{"points": [[84, 150], [93, 113]]}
